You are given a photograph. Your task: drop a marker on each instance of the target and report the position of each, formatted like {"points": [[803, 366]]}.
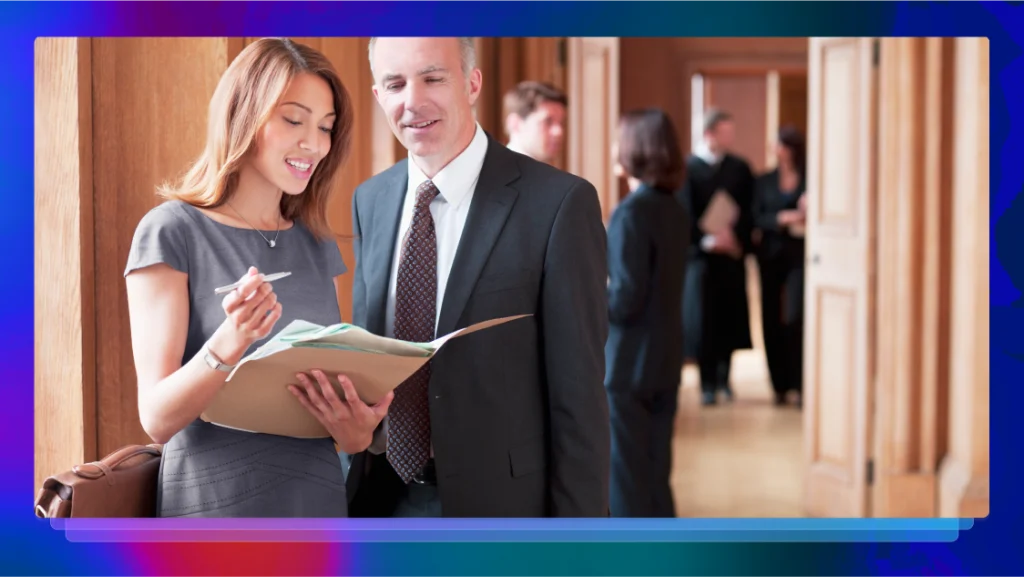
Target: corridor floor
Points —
{"points": [[739, 459]]}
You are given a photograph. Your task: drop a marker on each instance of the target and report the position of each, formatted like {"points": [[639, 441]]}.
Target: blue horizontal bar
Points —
{"points": [[509, 526], [678, 530], [464, 536]]}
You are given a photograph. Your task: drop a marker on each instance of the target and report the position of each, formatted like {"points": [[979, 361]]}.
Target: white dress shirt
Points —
{"points": [[707, 242], [456, 184], [704, 153]]}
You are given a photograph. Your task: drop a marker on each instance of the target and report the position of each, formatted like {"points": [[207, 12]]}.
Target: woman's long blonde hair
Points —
{"points": [[246, 96]]}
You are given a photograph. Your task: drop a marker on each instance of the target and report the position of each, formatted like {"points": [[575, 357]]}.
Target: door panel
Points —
{"points": [[838, 355]]}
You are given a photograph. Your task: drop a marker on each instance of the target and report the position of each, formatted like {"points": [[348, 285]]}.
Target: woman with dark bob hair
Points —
{"points": [[779, 213], [647, 239]]}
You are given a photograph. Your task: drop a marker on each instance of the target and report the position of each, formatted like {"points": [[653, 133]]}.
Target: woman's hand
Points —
{"points": [[726, 243], [350, 421], [252, 309], [791, 217]]}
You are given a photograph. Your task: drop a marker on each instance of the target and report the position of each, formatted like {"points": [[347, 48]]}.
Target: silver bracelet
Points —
{"points": [[214, 362]]}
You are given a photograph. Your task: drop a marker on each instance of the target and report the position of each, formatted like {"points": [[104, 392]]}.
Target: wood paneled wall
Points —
{"points": [[964, 473], [65, 343], [913, 283], [932, 425]]}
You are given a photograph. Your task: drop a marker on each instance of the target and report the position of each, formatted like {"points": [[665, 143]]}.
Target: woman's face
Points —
{"points": [[297, 136], [783, 153]]}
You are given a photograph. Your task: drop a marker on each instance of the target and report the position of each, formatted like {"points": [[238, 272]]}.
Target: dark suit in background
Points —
{"points": [[647, 239], [780, 259], [716, 316], [518, 414]]}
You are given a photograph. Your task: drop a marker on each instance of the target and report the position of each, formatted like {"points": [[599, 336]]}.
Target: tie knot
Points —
{"points": [[426, 193]]}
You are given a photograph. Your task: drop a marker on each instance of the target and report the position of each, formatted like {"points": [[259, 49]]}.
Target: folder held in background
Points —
{"points": [[256, 396], [720, 214]]}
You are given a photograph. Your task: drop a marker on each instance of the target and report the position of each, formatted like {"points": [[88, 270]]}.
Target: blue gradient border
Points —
{"points": [[32, 546], [513, 530]]}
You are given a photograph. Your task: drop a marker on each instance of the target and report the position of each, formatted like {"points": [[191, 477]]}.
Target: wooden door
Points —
{"points": [[593, 71], [839, 293], [745, 97]]}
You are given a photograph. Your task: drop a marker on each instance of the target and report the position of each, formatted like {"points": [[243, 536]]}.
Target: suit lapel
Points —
{"points": [[387, 213], [492, 203]]}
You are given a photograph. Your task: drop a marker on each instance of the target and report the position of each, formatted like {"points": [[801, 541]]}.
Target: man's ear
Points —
{"points": [[476, 82]]}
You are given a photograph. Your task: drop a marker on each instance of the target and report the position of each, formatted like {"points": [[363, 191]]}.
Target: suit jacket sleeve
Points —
{"points": [[629, 260], [574, 311], [358, 283], [764, 217], [380, 435], [745, 224], [685, 198]]}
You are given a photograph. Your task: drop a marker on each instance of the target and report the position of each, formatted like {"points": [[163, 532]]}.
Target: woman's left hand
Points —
{"points": [[791, 217], [350, 421]]}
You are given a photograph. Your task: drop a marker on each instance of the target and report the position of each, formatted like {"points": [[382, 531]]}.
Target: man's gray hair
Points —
{"points": [[467, 46]]}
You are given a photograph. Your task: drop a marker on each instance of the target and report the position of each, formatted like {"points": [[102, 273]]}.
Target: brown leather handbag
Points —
{"points": [[122, 484]]}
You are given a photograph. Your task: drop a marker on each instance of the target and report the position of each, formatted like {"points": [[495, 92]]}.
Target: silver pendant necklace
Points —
{"points": [[270, 242]]}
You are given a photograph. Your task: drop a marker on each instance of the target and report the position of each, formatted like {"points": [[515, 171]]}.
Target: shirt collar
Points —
{"points": [[705, 154], [514, 147], [456, 180]]}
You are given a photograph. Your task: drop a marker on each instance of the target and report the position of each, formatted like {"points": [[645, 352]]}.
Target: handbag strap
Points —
{"points": [[111, 462], [50, 504]]}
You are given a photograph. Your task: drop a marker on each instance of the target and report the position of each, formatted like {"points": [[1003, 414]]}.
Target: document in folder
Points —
{"points": [[720, 214], [256, 396]]}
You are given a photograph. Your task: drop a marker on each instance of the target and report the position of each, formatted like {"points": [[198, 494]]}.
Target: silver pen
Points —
{"points": [[266, 278]]}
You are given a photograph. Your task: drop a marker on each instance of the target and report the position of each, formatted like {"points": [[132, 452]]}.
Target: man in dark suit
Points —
{"points": [[716, 316], [512, 421]]}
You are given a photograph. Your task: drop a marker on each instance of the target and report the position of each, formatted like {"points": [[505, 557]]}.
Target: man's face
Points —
{"points": [[542, 133], [428, 101], [722, 135]]}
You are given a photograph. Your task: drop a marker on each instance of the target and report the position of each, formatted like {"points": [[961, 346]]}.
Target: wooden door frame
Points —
{"points": [[744, 66], [913, 283], [609, 196]]}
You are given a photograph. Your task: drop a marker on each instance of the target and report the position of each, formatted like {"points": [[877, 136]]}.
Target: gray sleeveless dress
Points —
{"points": [[212, 471]]}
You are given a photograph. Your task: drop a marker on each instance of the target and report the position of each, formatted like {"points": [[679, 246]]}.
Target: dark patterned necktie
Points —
{"points": [[415, 314]]}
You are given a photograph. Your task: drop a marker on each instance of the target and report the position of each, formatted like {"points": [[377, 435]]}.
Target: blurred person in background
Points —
{"points": [[535, 120], [647, 241], [779, 215], [716, 317]]}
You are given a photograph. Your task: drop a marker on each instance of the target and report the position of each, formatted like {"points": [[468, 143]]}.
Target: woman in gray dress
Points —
{"points": [[254, 202]]}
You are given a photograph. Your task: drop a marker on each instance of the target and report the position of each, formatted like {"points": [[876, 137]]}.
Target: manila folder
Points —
{"points": [[721, 213], [256, 398]]}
